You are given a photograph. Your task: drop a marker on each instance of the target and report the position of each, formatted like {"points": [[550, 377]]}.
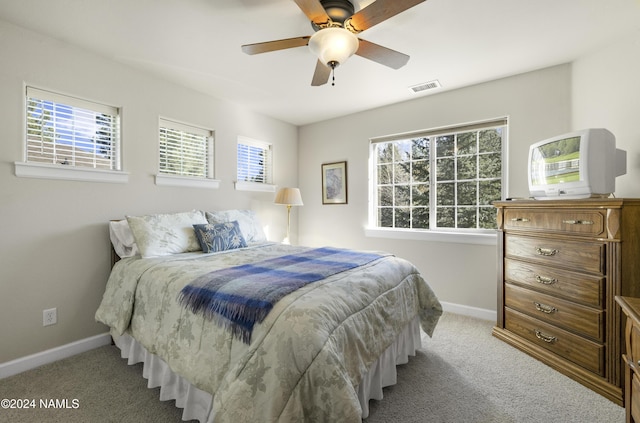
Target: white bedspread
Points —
{"points": [[306, 359]]}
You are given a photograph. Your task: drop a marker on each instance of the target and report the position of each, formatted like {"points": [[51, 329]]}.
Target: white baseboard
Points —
{"points": [[29, 362], [479, 313]]}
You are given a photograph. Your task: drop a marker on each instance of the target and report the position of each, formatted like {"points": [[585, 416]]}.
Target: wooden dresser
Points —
{"points": [[561, 263], [631, 359]]}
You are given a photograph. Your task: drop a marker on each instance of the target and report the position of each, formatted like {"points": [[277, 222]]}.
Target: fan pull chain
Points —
{"points": [[333, 65]]}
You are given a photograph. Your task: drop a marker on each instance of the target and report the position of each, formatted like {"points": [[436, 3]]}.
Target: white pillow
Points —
{"points": [[250, 226], [122, 239], [164, 234]]}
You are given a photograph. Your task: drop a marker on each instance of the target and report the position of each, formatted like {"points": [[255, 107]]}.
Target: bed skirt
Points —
{"points": [[196, 403]]}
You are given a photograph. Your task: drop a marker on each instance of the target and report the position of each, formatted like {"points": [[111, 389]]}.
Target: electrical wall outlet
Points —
{"points": [[49, 317]]}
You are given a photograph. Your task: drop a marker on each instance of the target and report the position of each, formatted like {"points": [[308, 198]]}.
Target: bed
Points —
{"points": [[321, 352]]}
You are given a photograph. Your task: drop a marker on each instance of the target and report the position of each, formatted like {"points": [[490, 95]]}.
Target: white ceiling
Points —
{"points": [[196, 43]]}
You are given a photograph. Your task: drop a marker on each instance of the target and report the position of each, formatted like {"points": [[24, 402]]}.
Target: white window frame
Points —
{"points": [[466, 236], [244, 185], [42, 170], [180, 180]]}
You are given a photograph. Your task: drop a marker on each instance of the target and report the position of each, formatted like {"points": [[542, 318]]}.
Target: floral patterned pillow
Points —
{"points": [[219, 236], [247, 220], [164, 234]]}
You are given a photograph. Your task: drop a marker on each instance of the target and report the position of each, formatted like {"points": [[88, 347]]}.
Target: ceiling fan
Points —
{"points": [[335, 41]]}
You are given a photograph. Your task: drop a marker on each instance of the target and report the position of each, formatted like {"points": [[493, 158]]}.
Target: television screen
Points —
{"points": [[556, 162]]}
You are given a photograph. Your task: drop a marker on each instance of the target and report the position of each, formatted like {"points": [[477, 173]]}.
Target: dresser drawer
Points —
{"points": [[581, 351], [572, 222], [574, 317], [579, 287], [576, 255]]}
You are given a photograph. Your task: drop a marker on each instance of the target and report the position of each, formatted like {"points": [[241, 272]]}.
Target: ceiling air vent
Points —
{"points": [[425, 86]]}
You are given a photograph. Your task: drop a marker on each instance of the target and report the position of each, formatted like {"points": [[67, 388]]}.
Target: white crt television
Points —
{"points": [[579, 164]]}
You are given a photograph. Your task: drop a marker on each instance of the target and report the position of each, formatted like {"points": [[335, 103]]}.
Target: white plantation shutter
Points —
{"points": [[68, 131], [185, 150], [254, 161]]}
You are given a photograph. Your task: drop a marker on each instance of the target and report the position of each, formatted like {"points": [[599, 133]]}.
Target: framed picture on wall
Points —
{"points": [[334, 183]]}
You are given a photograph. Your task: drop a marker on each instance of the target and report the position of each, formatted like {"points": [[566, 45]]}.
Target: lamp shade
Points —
{"points": [[289, 197], [333, 45]]}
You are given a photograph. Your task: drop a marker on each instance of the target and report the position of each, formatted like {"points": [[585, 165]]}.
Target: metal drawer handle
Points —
{"points": [[545, 308], [546, 251], [546, 280], [578, 222], [546, 338], [520, 219]]}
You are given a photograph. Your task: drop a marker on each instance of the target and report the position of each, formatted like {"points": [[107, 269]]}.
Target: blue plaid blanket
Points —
{"points": [[239, 297]]}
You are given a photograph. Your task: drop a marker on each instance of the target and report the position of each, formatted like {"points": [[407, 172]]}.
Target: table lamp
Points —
{"points": [[289, 197]]}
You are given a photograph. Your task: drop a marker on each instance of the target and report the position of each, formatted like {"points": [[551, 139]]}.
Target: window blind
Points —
{"points": [[254, 161], [185, 150], [70, 131]]}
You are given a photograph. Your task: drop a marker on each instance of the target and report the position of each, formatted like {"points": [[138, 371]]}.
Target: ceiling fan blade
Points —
{"points": [[314, 10], [383, 55], [379, 11], [321, 74], [275, 45]]}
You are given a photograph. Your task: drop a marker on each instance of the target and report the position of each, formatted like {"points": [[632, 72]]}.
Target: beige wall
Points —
{"points": [[54, 245], [606, 93]]}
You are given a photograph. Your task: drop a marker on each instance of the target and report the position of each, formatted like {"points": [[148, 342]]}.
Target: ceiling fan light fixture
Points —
{"points": [[333, 45]]}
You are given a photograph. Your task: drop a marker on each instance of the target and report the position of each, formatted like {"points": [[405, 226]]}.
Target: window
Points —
{"points": [[442, 180], [185, 150], [64, 132], [254, 165]]}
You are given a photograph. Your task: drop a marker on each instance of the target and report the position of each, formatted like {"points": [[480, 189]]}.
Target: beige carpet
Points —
{"points": [[463, 374]]}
